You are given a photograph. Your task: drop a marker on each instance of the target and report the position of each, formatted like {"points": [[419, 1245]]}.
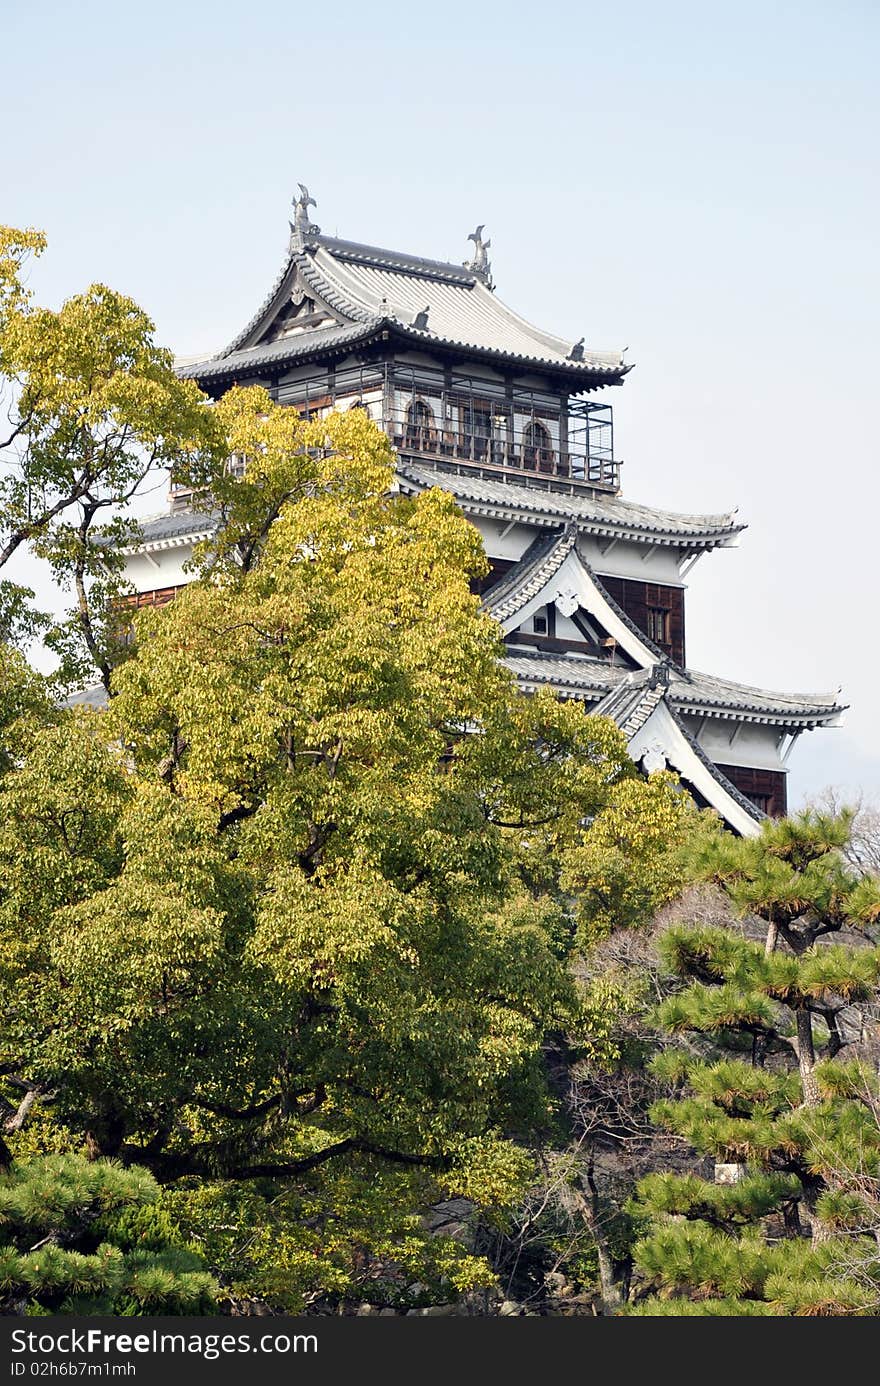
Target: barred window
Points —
{"points": [[658, 625]]}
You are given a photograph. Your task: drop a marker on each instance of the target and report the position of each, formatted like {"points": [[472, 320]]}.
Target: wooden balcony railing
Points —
{"points": [[502, 448]]}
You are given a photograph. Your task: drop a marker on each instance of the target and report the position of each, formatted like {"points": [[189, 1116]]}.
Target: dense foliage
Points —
{"points": [[329, 963]]}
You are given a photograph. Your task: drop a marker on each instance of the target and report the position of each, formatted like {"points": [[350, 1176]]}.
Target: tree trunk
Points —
{"points": [[611, 1296], [807, 1056], [792, 1219], [772, 938], [807, 1062]]}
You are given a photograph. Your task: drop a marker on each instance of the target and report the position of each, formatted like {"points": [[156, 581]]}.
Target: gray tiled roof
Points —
{"points": [[369, 287], [592, 514], [460, 308], [357, 253], [695, 691], [94, 697], [689, 691], [271, 301], [174, 525], [253, 359], [528, 576], [580, 673], [630, 705]]}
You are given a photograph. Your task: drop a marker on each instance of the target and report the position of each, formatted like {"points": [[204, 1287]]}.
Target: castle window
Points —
{"points": [[476, 429], [540, 625], [537, 446], [658, 625], [420, 433]]}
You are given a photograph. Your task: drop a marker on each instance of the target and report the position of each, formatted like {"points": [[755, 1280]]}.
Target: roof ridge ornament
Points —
{"points": [[301, 227], [479, 264]]}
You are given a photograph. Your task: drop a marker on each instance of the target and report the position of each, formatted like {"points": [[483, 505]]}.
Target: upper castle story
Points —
{"points": [[452, 375]]}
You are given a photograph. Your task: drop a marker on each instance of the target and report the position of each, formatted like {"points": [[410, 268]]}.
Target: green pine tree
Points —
{"points": [[83, 1237], [785, 1228]]}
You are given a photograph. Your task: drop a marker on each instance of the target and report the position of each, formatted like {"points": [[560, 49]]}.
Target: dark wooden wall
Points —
{"points": [[158, 596], [766, 788], [637, 597], [498, 568]]}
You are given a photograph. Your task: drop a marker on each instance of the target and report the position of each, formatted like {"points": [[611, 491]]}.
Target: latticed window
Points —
{"points": [[537, 445], [420, 428], [658, 625]]}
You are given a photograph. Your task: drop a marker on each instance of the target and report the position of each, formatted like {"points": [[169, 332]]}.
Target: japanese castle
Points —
{"points": [[514, 421]]}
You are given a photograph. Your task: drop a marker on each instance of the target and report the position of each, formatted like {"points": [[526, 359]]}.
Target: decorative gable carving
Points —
{"points": [[566, 600], [300, 311]]}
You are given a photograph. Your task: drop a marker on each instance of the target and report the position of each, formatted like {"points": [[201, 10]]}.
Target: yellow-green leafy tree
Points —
{"points": [[93, 407], [264, 919]]}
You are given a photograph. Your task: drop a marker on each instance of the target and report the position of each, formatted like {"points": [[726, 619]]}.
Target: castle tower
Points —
{"points": [[515, 422]]}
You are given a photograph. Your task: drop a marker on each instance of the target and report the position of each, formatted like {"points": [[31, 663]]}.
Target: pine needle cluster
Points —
{"points": [[786, 1227], [82, 1237]]}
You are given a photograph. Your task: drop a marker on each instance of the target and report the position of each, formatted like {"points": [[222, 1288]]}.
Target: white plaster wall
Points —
{"points": [[370, 399], [660, 739], [624, 560], [566, 629], [755, 746], [640, 562], [146, 572], [511, 544], [523, 417]]}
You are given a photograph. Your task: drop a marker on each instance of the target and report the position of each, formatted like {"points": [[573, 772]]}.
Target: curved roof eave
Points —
{"points": [[288, 349], [685, 756], [536, 505], [269, 305], [588, 678]]}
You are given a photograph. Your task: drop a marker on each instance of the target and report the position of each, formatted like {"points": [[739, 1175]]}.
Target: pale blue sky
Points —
{"points": [[696, 181]]}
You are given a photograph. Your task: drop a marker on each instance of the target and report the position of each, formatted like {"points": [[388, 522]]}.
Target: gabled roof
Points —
{"points": [[564, 577], [540, 562], [324, 341], [607, 516], [640, 706], [422, 302], [555, 563], [726, 785], [657, 739], [572, 675], [631, 703]]}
